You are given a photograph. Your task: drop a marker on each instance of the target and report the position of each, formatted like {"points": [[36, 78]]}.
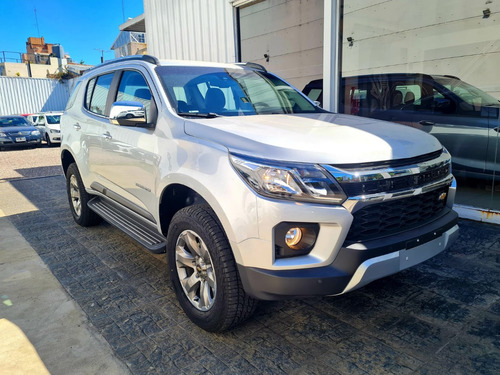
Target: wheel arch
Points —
{"points": [[67, 159], [175, 197]]}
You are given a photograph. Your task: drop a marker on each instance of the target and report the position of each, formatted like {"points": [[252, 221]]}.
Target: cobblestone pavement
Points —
{"points": [[26, 163], [441, 317]]}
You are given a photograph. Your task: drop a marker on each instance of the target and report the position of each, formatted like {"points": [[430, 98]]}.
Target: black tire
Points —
{"points": [[230, 305], [78, 199], [47, 139]]}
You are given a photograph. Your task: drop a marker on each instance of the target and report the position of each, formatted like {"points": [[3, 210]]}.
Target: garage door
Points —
{"points": [[285, 36]]}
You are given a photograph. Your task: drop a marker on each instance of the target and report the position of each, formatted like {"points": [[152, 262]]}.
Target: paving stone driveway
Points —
{"points": [[441, 317]]}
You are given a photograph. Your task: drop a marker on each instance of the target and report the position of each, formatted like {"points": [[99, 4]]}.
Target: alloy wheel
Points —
{"points": [[75, 195], [195, 269]]}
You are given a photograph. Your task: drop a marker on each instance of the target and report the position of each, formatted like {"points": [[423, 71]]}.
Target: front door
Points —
{"points": [[130, 154]]}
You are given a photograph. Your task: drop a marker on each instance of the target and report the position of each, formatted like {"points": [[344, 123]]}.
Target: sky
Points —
{"points": [[83, 28]]}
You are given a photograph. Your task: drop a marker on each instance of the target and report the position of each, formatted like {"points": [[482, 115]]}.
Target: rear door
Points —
{"points": [[91, 126]]}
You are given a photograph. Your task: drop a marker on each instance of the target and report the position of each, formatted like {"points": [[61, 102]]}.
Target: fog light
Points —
{"points": [[293, 236], [294, 239]]}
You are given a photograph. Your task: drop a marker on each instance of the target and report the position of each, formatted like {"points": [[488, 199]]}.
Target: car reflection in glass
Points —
{"points": [[464, 118]]}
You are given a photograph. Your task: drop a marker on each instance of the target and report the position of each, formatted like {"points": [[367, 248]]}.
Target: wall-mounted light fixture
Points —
{"points": [[486, 13], [350, 40], [266, 56]]}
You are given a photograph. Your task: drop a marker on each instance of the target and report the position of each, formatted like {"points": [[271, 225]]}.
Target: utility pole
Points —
{"points": [[102, 53]]}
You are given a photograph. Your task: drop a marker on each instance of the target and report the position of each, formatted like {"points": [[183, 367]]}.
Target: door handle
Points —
{"points": [[77, 126], [107, 136], [425, 122]]}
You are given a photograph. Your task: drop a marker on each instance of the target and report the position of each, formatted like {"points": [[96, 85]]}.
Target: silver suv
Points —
{"points": [[252, 190]]}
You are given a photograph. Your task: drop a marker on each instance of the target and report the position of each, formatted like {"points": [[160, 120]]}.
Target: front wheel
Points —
{"points": [[78, 199], [203, 271], [47, 139]]}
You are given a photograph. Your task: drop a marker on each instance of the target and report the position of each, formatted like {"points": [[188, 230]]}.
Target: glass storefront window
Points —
{"points": [[433, 65]]}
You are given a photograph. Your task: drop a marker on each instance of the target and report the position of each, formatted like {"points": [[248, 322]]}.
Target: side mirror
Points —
{"points": [[128, 113]]}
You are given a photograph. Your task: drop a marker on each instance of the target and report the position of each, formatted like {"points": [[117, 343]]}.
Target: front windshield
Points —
{"points": [[468, 93], [54, 119], [13, 121], [230, 92]]}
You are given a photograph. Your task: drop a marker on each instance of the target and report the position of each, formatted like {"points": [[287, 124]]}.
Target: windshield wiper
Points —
{"points": [[196, 114]]}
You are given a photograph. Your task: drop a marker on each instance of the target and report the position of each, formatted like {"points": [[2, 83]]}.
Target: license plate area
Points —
{"points": [[20, 139]]}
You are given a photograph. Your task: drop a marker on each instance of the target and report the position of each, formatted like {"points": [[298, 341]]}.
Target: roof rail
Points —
{"points": [[253, 66], [146, 58]]}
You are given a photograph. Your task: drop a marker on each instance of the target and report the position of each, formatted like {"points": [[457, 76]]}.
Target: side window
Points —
{"points": [[406, 96], [133, 87], [100, 94], [90, 90]]}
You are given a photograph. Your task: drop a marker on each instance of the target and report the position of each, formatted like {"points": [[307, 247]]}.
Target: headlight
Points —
{"points": [[3, 134], [35, 132], [54, 131], [293, 181]]}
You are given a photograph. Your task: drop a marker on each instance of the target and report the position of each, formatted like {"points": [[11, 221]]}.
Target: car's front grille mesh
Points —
{"points": [[386, 218]]}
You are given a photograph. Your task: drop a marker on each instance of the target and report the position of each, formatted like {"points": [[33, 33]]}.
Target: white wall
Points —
{"points": [[37, 70], [190, 30], [425, 36], [290, 32], [31, 95]]}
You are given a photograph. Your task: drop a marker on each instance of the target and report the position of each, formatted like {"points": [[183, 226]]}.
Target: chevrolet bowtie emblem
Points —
{"points": [[442, 197]]}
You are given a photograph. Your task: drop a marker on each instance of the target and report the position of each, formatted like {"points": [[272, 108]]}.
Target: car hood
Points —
{"points": [[15, 129], [314, 138]]}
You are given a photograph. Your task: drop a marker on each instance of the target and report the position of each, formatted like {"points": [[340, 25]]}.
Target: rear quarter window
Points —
{"points": [[97, 93]]}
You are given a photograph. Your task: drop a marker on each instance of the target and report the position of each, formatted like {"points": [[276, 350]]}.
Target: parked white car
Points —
{"points": [[49, 125], [252, 190]]}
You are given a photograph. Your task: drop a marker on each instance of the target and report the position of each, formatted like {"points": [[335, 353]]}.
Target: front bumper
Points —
{"points": [[355, 265], [13, 142], [54, 137]]}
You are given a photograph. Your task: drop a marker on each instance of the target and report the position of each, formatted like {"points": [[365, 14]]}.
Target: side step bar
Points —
{"points": [[137, 227]]}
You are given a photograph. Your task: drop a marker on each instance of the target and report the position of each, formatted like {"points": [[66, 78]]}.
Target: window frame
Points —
{"points": [[112, 88]]}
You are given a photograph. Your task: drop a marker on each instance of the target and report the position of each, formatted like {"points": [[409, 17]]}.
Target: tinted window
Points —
{"points": [[100, 94], [13, 121], [53, 119], [90, 90], [133, 87]]}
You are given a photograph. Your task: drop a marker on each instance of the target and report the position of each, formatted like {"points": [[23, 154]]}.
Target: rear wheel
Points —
{"points": [[78, 199], [203, 271]]}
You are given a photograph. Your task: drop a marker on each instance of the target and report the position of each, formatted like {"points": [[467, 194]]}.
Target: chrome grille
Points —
{"points": [[353, 189]]}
